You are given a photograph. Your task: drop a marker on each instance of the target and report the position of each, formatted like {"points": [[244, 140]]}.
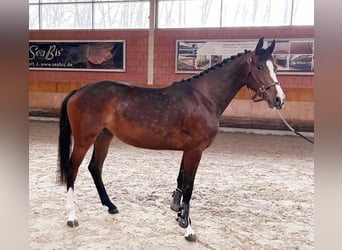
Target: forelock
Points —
{"points": [[264, 55]]}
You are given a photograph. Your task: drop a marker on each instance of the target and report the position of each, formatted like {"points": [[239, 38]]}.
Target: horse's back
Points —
{"points": [[126, 110], [157, 118]]}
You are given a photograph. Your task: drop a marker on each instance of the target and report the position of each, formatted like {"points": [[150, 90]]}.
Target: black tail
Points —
{"points": [[64, 143]]}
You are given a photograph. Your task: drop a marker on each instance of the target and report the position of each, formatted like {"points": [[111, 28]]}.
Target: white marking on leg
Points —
{"points": [[189, 231], [70, 205]]}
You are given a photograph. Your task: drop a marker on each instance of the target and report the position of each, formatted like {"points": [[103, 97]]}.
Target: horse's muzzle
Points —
{"points": [[279, 102]]}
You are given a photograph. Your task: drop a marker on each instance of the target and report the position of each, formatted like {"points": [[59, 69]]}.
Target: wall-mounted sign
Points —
{"points": [[77, 55], [294, 56]]}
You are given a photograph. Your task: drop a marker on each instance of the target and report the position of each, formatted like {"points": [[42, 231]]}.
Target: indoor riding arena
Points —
{"points": [[206, 109]]}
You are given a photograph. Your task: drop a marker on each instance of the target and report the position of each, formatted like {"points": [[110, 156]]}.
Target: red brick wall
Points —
{"points": [[164, 52], [48, 88]]}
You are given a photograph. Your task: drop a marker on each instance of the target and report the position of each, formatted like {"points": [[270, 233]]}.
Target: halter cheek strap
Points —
{"points": [[261, 90]]}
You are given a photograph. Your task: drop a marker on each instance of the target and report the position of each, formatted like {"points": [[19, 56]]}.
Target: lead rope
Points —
{"points": [[292, 129]]}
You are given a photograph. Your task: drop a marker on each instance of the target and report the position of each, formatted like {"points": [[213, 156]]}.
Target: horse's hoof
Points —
{"points": [[191, 237], [72, 223], [113, 210]]}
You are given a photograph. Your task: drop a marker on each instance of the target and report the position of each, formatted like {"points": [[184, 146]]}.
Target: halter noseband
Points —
{"points": [[261, 90]]}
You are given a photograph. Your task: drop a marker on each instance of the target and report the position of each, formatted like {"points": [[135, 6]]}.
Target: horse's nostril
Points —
{"points": [[279, 103]]}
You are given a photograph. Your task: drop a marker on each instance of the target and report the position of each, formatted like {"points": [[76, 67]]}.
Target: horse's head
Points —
{"points": [[262, 76]]}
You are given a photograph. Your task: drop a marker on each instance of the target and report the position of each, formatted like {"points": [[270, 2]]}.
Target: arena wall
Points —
{"points": [[47, 88]]}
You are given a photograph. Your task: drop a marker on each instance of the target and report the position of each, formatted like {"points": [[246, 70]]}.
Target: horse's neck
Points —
{"points": [[221, 84]]}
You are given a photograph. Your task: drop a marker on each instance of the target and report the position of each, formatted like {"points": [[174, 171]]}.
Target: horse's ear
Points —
{"points": [[259, 46], [271, 47]]}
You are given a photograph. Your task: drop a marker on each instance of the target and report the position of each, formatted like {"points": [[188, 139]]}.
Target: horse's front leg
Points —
{"points": [[184, 221], [190, 163], [177, 194]]}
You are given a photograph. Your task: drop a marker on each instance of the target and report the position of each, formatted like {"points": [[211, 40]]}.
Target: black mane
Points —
{"points": [[215, 66]]}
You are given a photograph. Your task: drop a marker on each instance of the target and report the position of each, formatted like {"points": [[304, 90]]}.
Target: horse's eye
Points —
{"points": [[260, 67]]}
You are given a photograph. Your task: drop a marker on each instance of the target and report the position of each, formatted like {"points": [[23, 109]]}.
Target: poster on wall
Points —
{"points": [[77, 55], [295, 56]]}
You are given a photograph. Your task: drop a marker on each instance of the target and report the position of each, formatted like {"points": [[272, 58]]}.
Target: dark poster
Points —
{"points": [[77, 55]]}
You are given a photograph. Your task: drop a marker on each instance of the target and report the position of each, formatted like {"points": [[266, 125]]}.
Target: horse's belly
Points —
{"points": [[151, 139]]}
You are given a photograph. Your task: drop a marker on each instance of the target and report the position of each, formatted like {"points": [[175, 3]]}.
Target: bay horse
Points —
{"points": [[182, 116]]}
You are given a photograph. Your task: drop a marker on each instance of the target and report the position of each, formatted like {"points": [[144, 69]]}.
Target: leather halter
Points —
{"points": [[261, 90]]}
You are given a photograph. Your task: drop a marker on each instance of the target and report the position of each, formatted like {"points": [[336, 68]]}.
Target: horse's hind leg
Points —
{"points": [[95, 167], [76, 158]]}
